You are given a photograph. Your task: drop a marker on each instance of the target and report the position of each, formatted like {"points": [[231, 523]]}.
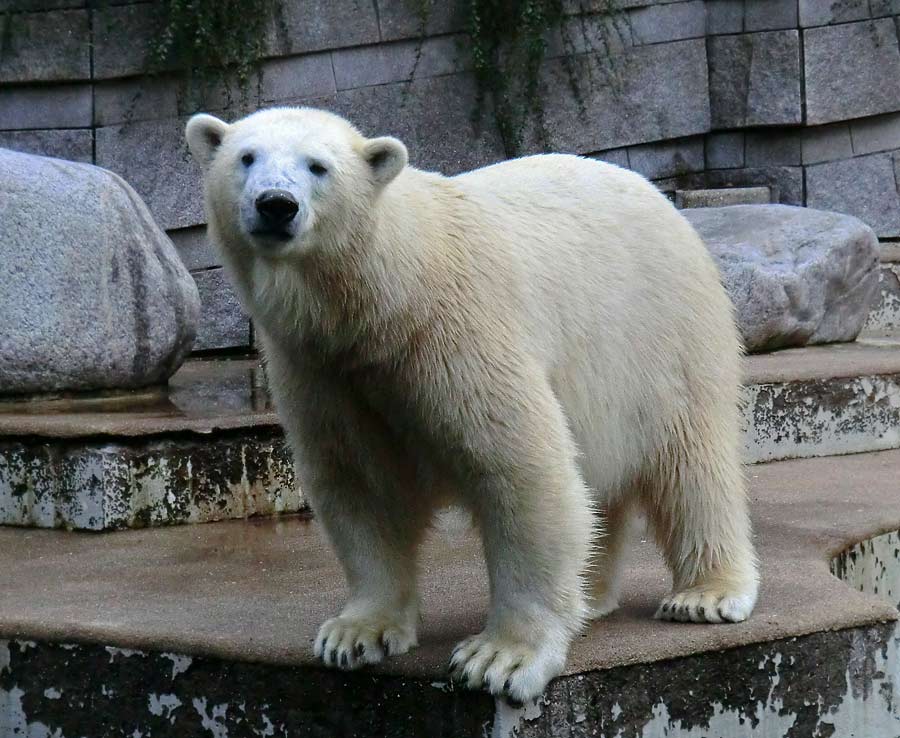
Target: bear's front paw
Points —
{"points": [[349, 642], [517, 670]]}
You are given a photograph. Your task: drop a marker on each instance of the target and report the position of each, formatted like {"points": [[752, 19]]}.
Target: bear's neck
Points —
{"points": [[374, 298]]}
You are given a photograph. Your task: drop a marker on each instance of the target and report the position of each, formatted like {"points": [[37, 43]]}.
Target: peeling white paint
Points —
{"points": [[214, 722], [180, 664], [507, 719], [52, 693], [163, 704], [781, 422], [125, 653]]}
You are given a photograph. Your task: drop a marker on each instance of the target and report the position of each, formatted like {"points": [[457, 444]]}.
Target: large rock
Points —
{"points": [[796, 276], [92, 292]]}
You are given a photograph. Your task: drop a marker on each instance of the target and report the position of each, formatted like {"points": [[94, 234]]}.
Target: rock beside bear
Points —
{"points": [[544, 342], [92, 292]]}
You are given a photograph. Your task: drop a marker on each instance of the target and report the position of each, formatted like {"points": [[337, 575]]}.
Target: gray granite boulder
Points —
{"points": [[92, 292], [797, 276]]}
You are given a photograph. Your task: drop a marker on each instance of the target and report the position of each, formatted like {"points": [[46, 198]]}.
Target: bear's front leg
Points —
{"points": [[362, 491], [515, 461]]}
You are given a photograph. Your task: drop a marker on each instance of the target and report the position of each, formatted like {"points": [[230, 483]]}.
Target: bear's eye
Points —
{"points": [[317, 169], [247, 159]]}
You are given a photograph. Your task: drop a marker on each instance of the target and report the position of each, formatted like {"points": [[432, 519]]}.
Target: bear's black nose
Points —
{"points": [[277, 207]]}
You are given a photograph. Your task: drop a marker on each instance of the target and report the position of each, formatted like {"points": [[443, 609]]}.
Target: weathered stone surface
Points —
{"points": [[121, 37], [865, 187], [311, 75], [658, 23], [785, 183], [52, 46], [92, 293], [852, 70], [773, 148], [725, 16], [725, 150], [57, 106], [769, 15], [153, 157], [884, 315], [75, 144], [90, 485], [223, 324], [194, 248], [619, 157], [826, 143], [754, 79], [439, 136], [881, 133], [647, 93], [398, 62], [402, 19], [823, 12], [796, 276], [723, 197], [667, 158], [317, 25]]}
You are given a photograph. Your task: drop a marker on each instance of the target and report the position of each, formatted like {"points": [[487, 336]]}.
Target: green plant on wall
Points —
{"points": [[509, 43], [210, 42]]}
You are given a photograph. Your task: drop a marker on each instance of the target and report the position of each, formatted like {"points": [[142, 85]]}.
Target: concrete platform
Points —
{"points": [[213, 616], [211, 447]]}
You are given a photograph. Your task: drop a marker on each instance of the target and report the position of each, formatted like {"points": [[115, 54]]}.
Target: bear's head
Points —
{"points": [[287, 182]]}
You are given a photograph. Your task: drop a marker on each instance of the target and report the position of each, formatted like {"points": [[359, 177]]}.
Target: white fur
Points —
{"points": [[538, 341]]}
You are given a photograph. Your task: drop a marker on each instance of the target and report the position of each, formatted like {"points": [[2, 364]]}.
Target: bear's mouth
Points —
{"points": [[266, 234]]}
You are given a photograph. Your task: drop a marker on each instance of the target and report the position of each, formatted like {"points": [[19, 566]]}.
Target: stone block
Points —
{"points": [[864, 187], [319, 25], [56, 106], [685, 199], [311, 75], [401, 19], [724, 16], [223, 324], [619, 157], [646, 93], [826, 143], [823, 12], [796, 276], [852, 71], [881, 133], [194, 248], [769, 15], [153, 158], [658, 23], [121, 37], [667, 158], [785, 183], [773, 147], [884, 315], [754, 79], [73, 144], [397, 62], [603, 34], [725, 150], [46, 47], [130, 100], [432, 116]]}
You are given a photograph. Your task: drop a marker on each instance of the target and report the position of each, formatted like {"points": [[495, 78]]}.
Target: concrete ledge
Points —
{"points": [[210, 626]]}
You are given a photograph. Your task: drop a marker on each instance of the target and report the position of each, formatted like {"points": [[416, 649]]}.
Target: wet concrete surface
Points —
{"points": [[223, 394], [257, 591]]}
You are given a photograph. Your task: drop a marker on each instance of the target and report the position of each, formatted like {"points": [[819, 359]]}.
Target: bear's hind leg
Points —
{"points": [[605, 568], [697, 509]]}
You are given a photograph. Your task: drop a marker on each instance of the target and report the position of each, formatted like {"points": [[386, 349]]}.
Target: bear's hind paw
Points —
{"points": [[702, 605]]}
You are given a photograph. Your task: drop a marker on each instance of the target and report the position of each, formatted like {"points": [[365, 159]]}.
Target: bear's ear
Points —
{"points": [[204, 134], [386, 156]]}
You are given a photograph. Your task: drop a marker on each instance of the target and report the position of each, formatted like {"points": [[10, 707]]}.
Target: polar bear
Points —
{"points": [[544, 342]]}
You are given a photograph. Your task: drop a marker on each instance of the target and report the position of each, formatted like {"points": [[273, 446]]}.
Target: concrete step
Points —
{"points": [[211, 448], [207, 630]]}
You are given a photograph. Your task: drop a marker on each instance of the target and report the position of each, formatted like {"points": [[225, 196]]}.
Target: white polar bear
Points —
{"points": [[544, 341]]}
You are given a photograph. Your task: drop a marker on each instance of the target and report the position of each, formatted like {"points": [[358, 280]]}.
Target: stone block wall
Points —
{"points": [[801, 96]]}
